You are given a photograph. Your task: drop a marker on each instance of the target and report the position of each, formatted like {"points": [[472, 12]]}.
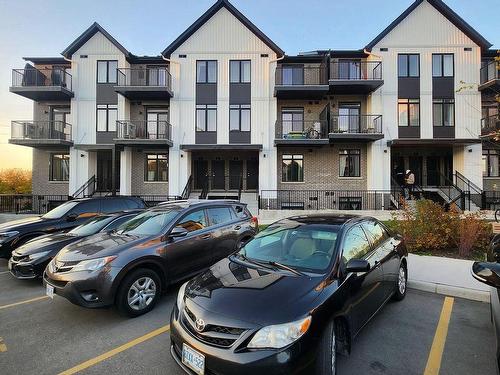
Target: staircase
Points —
{"points": [[88, 189], [473, 193]]}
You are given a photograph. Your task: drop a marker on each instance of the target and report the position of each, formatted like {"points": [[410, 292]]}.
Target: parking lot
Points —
{"points": [[44, 336]]}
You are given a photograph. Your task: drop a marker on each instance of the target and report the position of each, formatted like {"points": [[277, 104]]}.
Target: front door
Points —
{"points": [[252, 174], [349, 117], [104, 171], [235, 174], [156, 123], [433, 171], [218, 175], [59, 117], [200, 173]]}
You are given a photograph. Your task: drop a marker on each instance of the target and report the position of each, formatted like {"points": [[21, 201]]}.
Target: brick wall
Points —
{"points": [[40, 175], [141, 187]]}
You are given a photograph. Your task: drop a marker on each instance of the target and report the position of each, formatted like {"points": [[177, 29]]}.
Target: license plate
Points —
{"points": [[50, 291], [192, 359]]}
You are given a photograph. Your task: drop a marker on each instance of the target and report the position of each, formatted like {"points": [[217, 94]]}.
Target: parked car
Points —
{"points": [[131, 266], [64, 217], [29, 260], [290, 299]]}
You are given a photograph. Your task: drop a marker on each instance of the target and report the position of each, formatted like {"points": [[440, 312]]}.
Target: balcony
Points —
{"points": [[42, 84], [301, 82], [144, 83], [490, 76], [41, 134], [490, 126], [356, 128], [143, 133], [301, 132], [355, 76]]}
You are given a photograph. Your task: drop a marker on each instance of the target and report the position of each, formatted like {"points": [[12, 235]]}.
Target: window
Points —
{"points": [[376, 231], [292, 168], [491, 163], [350, 203], [206, 71], [86, 209], [106, 71], [106, 117], [239, 71], [113, 205], [59, 167], [194, 221], [241, 212], [292, 75], [219, 215], [239, 118], [350, 163], [148, 223], [408, 65], [156, 168], [356, 244], [443, 112], [409, 112], [117, 222], [442, 65], [292, 120], [206, 118]]}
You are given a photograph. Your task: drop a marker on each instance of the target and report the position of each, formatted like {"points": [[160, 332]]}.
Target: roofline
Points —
{"points": [[46, 60], [447, 12], [209, 14]]}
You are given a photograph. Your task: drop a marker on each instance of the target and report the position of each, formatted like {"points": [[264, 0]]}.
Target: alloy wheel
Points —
{"points": [[402, 280], [141, 293]]}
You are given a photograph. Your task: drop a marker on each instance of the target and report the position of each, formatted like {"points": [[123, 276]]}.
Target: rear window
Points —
{"points": [[219, 215], [113, 205], [241, 212]]}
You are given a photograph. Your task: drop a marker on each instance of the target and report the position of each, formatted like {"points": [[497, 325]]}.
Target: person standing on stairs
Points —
{"points": [[409, 182]]}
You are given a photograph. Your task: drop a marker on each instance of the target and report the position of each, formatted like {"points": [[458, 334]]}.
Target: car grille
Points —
{"points": [[63, 266], [18, 258]]}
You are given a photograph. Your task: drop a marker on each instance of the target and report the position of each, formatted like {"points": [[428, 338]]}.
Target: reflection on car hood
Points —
{"points": [[55, 241], [253, 295], [16, 224], [97, 246]]}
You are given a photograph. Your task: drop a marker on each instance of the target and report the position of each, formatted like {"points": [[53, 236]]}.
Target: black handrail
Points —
{"points": [[150, 77], [355, 70], [42, 77], [356, 124], [490, 125], [240, 187], [299, 75], [187, 189], [490, 72], [301, 129], [40, 130], [90, 186], [132, 129]]}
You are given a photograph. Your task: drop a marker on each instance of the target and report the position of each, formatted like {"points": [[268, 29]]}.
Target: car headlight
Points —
{"points": [[93, 264], [36, 256], [180, 295], [4, 236], [280, 335]]}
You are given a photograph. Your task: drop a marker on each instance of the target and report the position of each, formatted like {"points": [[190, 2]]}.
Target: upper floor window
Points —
{"points": [[106, 117], [491, 164], [292, 168], [206, 71], [292, 74], [408, 65], [350, 163], [59, 167], [442, 65], [443, 112], [156, 167], [239, 118], [106, 71], [239, 71], [206, 118], [409, 112]]}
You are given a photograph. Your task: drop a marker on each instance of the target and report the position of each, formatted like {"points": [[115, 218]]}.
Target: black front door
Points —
{"points": [[433, 174], [252, 174], [200, 173], [218, 178], [104, 171], [235, 173]]}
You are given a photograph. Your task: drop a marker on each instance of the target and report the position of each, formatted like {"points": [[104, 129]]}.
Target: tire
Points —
{"points": [[326, 361], [401, 283], [138, 292], [497, 215]]}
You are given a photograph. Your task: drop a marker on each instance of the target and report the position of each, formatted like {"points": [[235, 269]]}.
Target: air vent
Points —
{"points": [[84, 56], [468, 49], [182, 56], [384, 49], [264, 55]]}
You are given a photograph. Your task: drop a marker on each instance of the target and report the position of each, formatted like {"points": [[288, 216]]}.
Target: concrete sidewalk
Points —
{"points": [[445, 276]]}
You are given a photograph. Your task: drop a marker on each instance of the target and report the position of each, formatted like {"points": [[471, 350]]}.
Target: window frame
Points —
{"points": [[407, 56], [206, 108], [442, 103], [240, 108], [487, 155], [231, 215], [107, 109], [292, 157], [206, 71], [442, 55], [350, 152], [157, 167], [107, 72], [240, 71], [370, 247], [408, 102], [65, 156], [189, 233]]}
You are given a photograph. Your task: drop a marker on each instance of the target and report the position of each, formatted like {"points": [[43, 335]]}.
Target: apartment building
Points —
{"points": [[223, 111]]}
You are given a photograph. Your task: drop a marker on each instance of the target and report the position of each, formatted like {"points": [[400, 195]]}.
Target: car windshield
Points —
{"points": [[92, 226], [306, 247], [148, 223], [60, 211]]}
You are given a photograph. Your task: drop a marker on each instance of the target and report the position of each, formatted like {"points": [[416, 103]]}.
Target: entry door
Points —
{"points": [[157, 120], [59, 117], [349, 69], [415, 165], [104, 171], [218, 175], [433, 175], [252, 174], [398, 169], [200, 173], [349, 116], [292, 120], [235, 173]]}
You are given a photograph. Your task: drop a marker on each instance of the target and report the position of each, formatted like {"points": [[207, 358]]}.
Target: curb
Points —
{"points": [[449, 290]]}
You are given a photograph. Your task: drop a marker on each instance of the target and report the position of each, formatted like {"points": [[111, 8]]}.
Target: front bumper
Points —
{"points": [[27, 270]]}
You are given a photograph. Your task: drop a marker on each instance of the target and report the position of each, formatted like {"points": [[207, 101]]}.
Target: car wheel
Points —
{"points": [[138, 293], [401, 283], [326, 362]]}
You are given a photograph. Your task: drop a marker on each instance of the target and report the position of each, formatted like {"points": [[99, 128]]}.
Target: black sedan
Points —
{"points": [[29, 260], [290, 299]]}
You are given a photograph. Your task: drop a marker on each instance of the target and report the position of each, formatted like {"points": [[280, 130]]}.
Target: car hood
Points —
{"points": [[255, 295], [22, 223], [48, 242], [97, 246]]}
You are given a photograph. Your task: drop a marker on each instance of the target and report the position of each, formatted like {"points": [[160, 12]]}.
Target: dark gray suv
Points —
{"points": [[132, 265]]}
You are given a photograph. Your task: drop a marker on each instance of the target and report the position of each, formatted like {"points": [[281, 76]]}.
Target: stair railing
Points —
{"points": [[89, 187]]}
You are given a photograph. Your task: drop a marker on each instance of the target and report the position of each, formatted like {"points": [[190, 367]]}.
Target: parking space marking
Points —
{"points": [[23, 302], [434, 361], [93, 361], [3, 347]]}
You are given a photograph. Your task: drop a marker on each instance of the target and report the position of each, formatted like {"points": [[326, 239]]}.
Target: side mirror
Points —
{"points": [[358, 265], [178, 232], [494, 249], [487, 273], [71, 217]]}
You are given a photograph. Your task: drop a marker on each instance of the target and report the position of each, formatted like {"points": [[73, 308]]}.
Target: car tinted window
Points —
{"points": [[241, 212], [113, 205], [133, 204], [86, 208], [117, 222], [219, 215], [92, 226], [60, 210], [376, 231], [356, 244], [194, 221], [148, 223]]}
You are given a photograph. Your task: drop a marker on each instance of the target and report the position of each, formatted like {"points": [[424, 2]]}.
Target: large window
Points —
{"points": [[490, 163], [292, 168], [206, 71], [194, 221], [292, 120], [442, 65], [239, 71], [350, 163], [239, 117], [59, 167], [409, 112], [408, 65], [206, 118], [106, 71], [292, 74], [156, 168], [443, 111], [106, 117]]}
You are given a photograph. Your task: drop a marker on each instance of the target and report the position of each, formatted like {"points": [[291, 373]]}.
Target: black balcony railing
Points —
{"points": [[144, 130], [490, 124], [490, 72], [301, 129], [145, 77], [356, 124], [35, 77], [299, 75], [41, 130], [355, 70]]}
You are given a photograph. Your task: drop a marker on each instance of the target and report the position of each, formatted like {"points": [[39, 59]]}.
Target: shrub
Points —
{"points": [[472, 233]]}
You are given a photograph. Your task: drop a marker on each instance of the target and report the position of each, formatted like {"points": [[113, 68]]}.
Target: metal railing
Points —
{"points": [[473, 193], [232, 185], [127, 129], [149, 77], [87, 189], [490, 72], [298, 75], [29, 203], [39, 130], [356, 124], [355, 70], [154, 200], [317, 129], [35, 77], [490, 124], [491, 199], [187, 189]]}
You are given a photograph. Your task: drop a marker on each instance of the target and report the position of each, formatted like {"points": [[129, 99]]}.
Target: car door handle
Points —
{"points": [[206, 236], [237, 227], [377, 264]]}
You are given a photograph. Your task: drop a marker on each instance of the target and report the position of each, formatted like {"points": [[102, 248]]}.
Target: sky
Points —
{"points": [[45, 28]]}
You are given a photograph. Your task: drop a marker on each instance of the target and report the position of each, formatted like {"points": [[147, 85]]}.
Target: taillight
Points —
{"points": [[255, 222]]}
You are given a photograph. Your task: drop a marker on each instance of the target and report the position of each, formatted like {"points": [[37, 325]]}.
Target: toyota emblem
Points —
{"points": [[200, 325]]}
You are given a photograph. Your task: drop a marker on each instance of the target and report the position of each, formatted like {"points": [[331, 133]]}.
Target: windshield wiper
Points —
{"points": [[284, 267], [246, 259]]}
